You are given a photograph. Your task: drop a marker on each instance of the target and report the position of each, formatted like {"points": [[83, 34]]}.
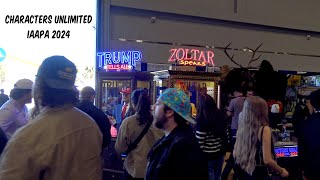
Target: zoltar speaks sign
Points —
{"points": [[191, 57]]}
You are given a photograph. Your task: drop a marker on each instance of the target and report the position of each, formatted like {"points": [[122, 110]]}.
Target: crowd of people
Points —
{"points": [[64, 135]]}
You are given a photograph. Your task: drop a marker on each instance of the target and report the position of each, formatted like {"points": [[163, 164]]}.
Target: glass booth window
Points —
{"points": [[114, 103], [111, 95], [145, 85]]}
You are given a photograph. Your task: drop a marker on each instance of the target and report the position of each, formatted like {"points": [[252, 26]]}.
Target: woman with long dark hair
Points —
{"points": [[211, 132], [135, 163]]}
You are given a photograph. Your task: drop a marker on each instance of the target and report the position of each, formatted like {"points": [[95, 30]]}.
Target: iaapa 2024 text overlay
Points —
{"points": [[48, 19]]}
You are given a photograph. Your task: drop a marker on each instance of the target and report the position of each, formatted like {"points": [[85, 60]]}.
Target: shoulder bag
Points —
{"points": [[135, 143]]}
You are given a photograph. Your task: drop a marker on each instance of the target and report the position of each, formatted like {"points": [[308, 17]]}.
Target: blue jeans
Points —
{"points": [[215, 167]]}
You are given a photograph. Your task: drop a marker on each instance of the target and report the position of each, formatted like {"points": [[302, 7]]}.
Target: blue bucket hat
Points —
{"points": [[179, 102]]}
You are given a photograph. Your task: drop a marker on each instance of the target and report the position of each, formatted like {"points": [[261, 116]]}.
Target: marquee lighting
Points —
{"points": [[193, 57], [118, 60]]}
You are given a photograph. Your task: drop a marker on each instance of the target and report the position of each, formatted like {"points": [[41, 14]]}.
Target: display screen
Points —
{"points": [[286, 151]]}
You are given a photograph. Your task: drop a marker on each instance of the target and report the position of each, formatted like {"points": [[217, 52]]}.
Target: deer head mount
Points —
{"points": [[242, 76], [253, 59]]}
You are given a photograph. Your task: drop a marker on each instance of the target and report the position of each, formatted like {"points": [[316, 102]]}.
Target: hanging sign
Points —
{"points": [[118, 60], [191, 57]]}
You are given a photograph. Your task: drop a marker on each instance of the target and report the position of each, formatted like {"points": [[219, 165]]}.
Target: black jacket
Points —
{"points": [[100, 118], [3, 140], [177, 157], [309, 146]]}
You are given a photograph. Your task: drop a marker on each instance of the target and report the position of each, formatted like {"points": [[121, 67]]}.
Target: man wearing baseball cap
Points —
{"points": [[177, 155], [127, 109], [14, 113], [60, 141]]}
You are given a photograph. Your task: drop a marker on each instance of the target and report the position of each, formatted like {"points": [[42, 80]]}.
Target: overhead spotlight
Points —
{"points": [[308, 37], [153, 19]]}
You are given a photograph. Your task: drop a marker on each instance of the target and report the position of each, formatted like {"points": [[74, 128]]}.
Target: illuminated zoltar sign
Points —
{"points": [[191, 57], [119, 60]]}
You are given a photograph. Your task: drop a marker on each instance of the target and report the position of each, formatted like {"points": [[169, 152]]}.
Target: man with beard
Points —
{"points": [[177, 155]]}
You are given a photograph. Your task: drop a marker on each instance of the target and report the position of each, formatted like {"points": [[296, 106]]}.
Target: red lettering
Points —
{"points": [[188, 55], [195, 54], [173, 55], [210, 55], [117, 67], [178, 54], [202, 56]]}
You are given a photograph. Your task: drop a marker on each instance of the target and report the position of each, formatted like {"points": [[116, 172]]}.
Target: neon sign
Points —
{"points": [[118, 67], [119, 60], [192, 63], [290, 151], [193, 57]]}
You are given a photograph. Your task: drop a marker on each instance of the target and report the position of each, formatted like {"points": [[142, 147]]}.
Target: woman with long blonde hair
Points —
{"points": [[253, 148]]}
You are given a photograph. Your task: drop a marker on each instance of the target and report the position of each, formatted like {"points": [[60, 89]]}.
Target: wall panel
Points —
{"points": [[183, 32], [295, 14], [157, 53]]}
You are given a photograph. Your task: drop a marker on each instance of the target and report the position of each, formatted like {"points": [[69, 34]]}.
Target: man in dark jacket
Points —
{"points": [[87, 96], [308, 139], [177, 156]]}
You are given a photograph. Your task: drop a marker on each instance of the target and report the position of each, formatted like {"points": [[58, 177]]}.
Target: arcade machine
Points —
{"points": [[193, 83], [117, 71], [111, 84], [286, 147], [286, 152]]}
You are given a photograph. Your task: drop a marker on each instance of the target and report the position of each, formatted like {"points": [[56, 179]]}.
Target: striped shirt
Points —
{"points": [[211, 145]]}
